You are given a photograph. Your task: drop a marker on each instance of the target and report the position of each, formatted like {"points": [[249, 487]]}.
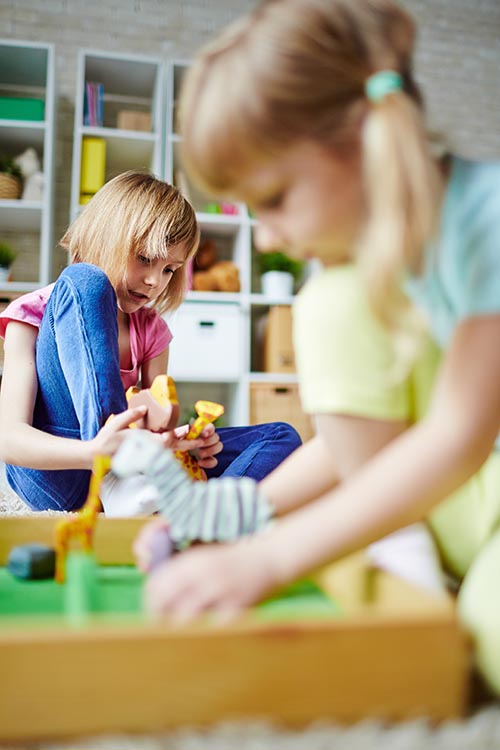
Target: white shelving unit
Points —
{"points": [[131, 83], [222, 326], [27, 71]]}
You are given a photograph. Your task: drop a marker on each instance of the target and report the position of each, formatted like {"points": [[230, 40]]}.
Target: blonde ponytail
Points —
{"points": [[403, 189]]}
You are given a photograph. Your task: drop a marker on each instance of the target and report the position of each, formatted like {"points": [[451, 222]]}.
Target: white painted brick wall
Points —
{"points": [[458, 57]]}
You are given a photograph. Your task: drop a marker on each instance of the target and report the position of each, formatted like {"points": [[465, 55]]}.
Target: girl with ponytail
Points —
{"points": [[307, 110]]}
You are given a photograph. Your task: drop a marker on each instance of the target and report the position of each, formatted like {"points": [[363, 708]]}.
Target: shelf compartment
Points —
{"points": [[279, 402], [17, 135], [129, 83], [227, 394], [20, 216]]}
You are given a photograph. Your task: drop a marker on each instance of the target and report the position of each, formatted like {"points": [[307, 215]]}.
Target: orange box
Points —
{"points": [[278, 354], [128, 119], [279, 402]]}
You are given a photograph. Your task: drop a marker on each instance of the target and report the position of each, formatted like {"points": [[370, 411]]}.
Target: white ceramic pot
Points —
{"points": [[277, 284], [4, 274]]}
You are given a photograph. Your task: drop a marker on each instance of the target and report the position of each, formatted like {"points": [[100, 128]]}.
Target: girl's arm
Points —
{"points": [[24, 445], [343, 443], [405, 480], [153, 367], [398, 486]]}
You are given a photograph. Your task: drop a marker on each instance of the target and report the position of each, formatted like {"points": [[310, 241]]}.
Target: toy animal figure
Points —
{"points": [[163, 413], [80, 526], [208, 411], [162, 402], [29, 164], [219, 510]]}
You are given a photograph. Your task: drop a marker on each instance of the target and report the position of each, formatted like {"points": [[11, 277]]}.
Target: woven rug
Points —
{"points": [[479, 731]]}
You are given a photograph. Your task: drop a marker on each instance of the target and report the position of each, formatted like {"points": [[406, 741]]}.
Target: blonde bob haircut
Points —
{"points": [[295, 70], [135, 213]]}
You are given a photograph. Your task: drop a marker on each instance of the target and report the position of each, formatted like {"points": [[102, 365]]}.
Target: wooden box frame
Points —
{"points": [[397, 653]]}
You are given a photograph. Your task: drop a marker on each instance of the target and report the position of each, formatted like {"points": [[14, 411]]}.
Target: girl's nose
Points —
{"points": [[268, 238], [152, 276]]}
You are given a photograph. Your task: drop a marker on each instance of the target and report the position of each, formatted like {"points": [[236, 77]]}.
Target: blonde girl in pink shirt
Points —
{"points": [[73, 348]]}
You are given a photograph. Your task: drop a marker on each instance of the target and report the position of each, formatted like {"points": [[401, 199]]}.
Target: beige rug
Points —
{"points": [[479, 731]]}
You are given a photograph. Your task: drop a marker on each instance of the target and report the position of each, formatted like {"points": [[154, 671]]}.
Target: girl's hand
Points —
{"points": [[110, 437], [208, 445], [223, 578]]}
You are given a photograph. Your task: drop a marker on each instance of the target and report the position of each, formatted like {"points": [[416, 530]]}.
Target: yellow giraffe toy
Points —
{"points": [[80, 526], [164, 393], [208, 412]]}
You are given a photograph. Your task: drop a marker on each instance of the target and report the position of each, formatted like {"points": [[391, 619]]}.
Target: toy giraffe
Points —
{"points": [[208, 412], [164, 393], [80, 526]]}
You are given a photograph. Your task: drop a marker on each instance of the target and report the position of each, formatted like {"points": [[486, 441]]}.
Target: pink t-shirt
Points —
{"points": [[149, 334]]}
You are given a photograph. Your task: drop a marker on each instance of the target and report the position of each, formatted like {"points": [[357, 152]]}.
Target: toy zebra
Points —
{"points": [[217, 510]]}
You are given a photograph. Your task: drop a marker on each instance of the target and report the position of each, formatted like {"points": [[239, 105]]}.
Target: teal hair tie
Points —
{"points": [[381, 83]]}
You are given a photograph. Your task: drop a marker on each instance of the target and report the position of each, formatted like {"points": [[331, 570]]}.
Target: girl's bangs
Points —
{"points": [[163, 228]]}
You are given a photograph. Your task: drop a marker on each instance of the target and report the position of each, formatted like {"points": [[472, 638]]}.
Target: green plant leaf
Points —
{"points": [[279, 261], [7, 255], [8, 166]]}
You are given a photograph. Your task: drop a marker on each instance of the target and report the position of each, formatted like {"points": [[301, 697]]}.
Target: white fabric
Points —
{"points": [[411, 554], [130, 496]]}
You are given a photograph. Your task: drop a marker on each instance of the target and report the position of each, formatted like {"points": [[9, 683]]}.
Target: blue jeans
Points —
{"points": [[79, 387]]}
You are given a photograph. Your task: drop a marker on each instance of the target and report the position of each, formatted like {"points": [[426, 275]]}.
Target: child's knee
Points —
{"points": [[479, 610], [84, 285], [286, 433]]}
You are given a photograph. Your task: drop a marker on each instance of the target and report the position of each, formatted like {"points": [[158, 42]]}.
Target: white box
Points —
{"points": [[207, 343]]}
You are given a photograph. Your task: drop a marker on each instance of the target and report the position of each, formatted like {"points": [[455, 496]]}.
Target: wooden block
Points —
{"points": [[278, 353], [270, 402], [113, 536], [132, 120]]}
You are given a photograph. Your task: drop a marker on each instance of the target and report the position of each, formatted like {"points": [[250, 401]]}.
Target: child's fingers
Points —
{"points": [[169, 591], [188, 445], [210, 450], [181, 431], [208, 431], [143, 546], [125, 418], [208, 463]]}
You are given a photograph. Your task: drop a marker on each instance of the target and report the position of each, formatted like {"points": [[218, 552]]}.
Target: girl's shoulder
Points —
{"points": [[474, 187], [28, 308]]}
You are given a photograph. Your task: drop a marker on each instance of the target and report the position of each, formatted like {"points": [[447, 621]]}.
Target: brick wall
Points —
{"points": [[458, 58]]}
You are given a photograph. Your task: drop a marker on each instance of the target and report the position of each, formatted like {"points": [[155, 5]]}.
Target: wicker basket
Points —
{"points": [[10, 187]]}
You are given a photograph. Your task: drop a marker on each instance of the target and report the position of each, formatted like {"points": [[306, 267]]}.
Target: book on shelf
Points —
{"points": [[93, 104]]}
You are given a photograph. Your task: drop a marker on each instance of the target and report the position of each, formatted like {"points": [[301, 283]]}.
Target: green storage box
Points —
{"points": [[14, 108]]}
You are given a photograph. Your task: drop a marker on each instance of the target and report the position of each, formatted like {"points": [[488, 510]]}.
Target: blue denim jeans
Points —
{"points": [[79, 387]]}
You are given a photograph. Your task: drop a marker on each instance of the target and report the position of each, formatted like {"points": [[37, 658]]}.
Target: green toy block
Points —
{"points": [[81, 589], [15, 108], [213, 208]]}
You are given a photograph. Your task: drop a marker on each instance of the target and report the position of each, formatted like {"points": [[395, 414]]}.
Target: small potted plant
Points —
{"points": [[7, 257], [10, 179], [279, 273]]}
